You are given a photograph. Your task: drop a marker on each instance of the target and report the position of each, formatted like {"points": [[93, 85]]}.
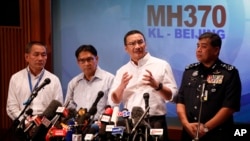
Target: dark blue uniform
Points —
{"points": [[222, 89]]}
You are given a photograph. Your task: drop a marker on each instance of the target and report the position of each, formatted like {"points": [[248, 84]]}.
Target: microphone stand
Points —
{"points": [[16, 123], [147, 120], [203, 93]]}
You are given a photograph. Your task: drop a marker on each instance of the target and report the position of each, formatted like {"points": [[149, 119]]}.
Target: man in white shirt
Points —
{"points": [[144, 74], [23, 84]]}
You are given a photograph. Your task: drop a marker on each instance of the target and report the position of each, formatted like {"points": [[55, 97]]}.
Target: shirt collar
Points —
{"points": [[216, 63], [143, 60], [97, 74], [37, 76]]}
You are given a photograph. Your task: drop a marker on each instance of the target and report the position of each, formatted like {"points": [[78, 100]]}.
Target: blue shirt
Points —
{"points": [[84, 92]]}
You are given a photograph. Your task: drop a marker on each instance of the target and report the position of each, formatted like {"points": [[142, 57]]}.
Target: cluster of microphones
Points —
{"points": [[60, 123]]}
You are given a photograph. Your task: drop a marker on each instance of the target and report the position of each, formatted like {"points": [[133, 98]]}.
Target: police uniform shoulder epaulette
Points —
{"points": [[227, 66], [192, 65]]}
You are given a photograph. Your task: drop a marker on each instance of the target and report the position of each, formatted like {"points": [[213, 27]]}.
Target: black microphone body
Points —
{"points": [[45, 82], [99, 96], [146, 98], [49, 113], [127, 125], [19, 131], [93, 109]]}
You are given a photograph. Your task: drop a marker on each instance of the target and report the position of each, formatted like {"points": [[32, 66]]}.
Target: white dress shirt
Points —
{"points": [[133, 93], [19, 92]]}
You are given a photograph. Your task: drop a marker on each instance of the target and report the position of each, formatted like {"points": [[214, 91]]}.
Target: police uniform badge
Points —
{"points": [[216, 72], [215, 79], [195, 73]]}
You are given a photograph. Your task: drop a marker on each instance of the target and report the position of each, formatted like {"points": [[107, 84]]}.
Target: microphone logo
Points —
{"points": [[124, 114]]}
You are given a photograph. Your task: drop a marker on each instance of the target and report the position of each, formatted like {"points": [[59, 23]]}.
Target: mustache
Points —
{"points": [[138, 50]]}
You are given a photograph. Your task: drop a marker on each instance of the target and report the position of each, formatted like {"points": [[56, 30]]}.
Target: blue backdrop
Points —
{"points": [[171, 29]]}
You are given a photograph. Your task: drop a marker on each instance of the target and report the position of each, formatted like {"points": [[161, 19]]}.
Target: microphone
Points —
{"points": [[37, 89], [105, 120], [99, 96], [125, 119], [106, 116], [140, 119], [81, 112], [21, 125], [29, 112], [114, 117], [118, 132], [41, 130], [125, 115], [157, 131], [94, 129], [55, 134], [136, 114], [146, 98], [93, 109], [36, 120]]}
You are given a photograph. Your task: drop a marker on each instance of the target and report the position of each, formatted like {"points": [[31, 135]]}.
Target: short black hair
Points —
{"points": [[132, 32], [31, 43], [215, 39], [89, 48]]}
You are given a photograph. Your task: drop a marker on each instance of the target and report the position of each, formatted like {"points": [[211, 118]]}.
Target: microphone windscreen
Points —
{"points": [[100, 94], [29, 112], [108, 111], [146, 95], [47, 81], [82, 120], [82, 111], [50, 111], [136, 113]]}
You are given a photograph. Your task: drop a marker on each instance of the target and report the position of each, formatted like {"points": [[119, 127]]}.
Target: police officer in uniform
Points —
{"points": [[210, 93]]}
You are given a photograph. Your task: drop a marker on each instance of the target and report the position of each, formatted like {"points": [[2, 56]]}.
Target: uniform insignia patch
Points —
{"points": [[195, 73], [215, 79], [216, 72]]}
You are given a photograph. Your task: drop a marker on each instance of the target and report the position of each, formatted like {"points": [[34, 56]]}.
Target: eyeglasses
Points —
{"points": [[83, 60], [139, 42]]}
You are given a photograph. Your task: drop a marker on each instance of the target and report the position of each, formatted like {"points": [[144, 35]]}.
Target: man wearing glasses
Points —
{"points": [[144, 74], [83, 89]]}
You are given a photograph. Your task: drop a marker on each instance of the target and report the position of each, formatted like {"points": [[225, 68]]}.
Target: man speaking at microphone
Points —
{"points": [[143, 74], [27, 81], [84, 88]]}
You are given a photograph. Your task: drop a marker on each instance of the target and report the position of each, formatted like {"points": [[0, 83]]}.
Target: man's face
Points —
{"points": [[205, 53], [135, 46], [87, 63], [36, 58]]}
